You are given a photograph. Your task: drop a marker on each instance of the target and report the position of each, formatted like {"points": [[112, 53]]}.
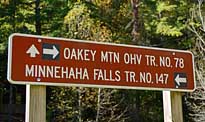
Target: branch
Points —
{"points": [[200, 2]]}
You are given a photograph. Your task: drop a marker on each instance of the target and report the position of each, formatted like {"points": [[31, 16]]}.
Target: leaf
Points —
{"points": [[168, 30], [164, 6]]}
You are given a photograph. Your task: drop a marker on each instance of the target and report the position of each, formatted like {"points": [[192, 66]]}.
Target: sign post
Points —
{"points": [[167, 106], [37, 104], [176, 106], [39, 60], [27, 112]]}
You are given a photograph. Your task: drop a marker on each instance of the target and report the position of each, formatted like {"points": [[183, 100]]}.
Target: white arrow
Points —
{"points": [[180, 80], [53, 52], [33, 51]]}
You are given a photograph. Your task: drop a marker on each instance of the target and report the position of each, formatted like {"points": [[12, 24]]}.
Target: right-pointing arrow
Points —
{"points": [[180, 80], [53, 52]]}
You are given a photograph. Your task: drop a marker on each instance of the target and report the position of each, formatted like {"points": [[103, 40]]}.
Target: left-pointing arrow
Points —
{"points": [[53, 51], [180, 80], [33, 51]]}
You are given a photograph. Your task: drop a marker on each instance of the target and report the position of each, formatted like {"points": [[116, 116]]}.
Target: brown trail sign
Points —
{"points": [[42, 60]]}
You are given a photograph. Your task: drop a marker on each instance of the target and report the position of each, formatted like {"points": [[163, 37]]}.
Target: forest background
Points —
{"points": [[174, 24]]}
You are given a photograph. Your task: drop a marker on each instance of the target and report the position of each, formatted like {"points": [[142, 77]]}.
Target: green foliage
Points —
{"points": [[52, 16], [63, 103], [161, 24], [163, 6], [165, 22], [165, 29], [80, 25]]}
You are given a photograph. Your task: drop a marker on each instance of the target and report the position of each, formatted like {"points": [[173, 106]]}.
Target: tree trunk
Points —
{"points": [[194, 101], [135, 30], [98, 105], [135, 34], [10, 102], [13, 16], [80, 104], [37, 17]]}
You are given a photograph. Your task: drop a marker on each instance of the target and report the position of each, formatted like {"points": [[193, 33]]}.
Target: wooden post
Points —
{"points": [[37, 103], [172, 104], [27, 114], [167, 106], [177, 111]]}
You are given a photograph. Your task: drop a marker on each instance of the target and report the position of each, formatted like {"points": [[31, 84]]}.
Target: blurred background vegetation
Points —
{"points": [[155, 23]]}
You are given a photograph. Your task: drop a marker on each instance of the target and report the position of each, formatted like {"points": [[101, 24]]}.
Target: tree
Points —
{"points": [[110, 106], [164, 23], [81, 24], [135, 31], [194, 102], [37, 17], [15, 16]]}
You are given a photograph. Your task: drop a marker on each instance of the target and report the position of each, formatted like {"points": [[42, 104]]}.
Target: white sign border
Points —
{"points": [[10, 46]]}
